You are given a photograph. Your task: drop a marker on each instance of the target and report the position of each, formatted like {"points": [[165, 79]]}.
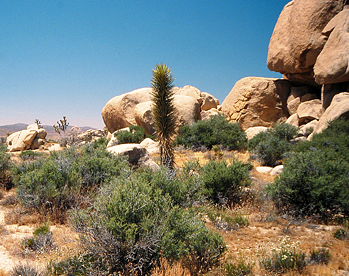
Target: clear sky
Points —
{"points": [[69, 57]]}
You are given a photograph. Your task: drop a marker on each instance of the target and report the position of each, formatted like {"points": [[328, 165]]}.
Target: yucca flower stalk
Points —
{"points": [[164, 112]]}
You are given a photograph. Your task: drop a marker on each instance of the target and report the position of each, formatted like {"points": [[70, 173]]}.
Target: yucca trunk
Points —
{"points": [[164, 112]]}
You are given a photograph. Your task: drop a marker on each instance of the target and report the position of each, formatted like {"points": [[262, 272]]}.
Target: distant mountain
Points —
{"points": [[51, 134]]}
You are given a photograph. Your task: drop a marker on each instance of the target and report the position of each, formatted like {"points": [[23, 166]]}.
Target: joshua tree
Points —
{"points": [[164, 112], [62, 125]]}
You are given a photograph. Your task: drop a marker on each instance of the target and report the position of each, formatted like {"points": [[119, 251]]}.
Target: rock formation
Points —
{"points": [[136, 108], [31, 138]]}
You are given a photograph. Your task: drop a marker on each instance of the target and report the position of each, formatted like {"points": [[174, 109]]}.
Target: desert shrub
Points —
{"points": [[284, 257], [341, 234], [183, 186], [315, 177], [240, 268], [225, 218], [58, 183], [215, 131], [25, 269], [320, 256], [135, 135], [222, 181], [75, 266], [5, 167], [30, 155], [41, 241], [133, 224], [271, 145]]}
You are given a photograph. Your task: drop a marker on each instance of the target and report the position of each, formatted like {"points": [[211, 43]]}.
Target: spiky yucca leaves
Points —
{"points": [[164, 112]]}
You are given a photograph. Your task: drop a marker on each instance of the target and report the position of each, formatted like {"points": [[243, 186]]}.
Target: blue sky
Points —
{"points": [[68, 58]]}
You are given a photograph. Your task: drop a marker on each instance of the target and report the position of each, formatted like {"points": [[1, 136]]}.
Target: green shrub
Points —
{"points": [[5, 167], [271, 145], [242, 268], [184, 186], [215, 131], [132, 224], [284, 257], [341, 234], [320, 256], [226, 218], [315, 178], [73, 266], [135, 135], [41, 241], [58, 183], [29, 155], [223, 181]]}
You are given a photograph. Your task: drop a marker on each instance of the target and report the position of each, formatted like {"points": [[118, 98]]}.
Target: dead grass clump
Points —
{"points": [[165, 268], [22, 216]]}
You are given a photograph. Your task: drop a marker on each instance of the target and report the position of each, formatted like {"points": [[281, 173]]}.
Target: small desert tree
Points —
{"points": [[164, 112]]}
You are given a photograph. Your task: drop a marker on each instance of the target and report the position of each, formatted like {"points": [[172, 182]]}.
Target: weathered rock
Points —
{"points": [[293, 105], [307, 129], [329, 90], [189, 90], [119, 111], [339, 108], [308, 97], [277, 170], [151, 146], [298, 92], [206, 115], [113, 140], [309, 111], [253, 131], [37, 143], [144, 116], [297, 38], [188, 109], [293, 120], [257, 101], [137, 155], [332, 64], [21, 140], [208, 101], [264, 169], [41, 133], [34, 126]]}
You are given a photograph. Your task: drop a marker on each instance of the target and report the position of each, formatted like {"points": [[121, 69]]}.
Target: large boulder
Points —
{"points": [[188, 109], [297, 38], [137, 155], [253, 131], [332, 64], [144, 116], [310, 110], [255, 101], [339, 108], [21, 140], [119, 111], [151, 146], [188, 90], [208, 101]]}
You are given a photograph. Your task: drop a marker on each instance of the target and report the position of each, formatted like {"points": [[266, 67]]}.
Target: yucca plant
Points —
{"points": [[164, 112]]}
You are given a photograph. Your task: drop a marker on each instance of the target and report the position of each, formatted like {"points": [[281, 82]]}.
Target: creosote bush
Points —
{"points": [[224, 182], [315, 178], [271, 145], [60, 182], [134, 222], [215, 131], [5, 167], [135, 135]]}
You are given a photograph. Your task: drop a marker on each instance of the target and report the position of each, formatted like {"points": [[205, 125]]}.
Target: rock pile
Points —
{"points": [[310, 47], [31, 138]]}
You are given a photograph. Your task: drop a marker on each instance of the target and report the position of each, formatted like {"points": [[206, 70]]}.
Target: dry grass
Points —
{"points": [[167, 269]]}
